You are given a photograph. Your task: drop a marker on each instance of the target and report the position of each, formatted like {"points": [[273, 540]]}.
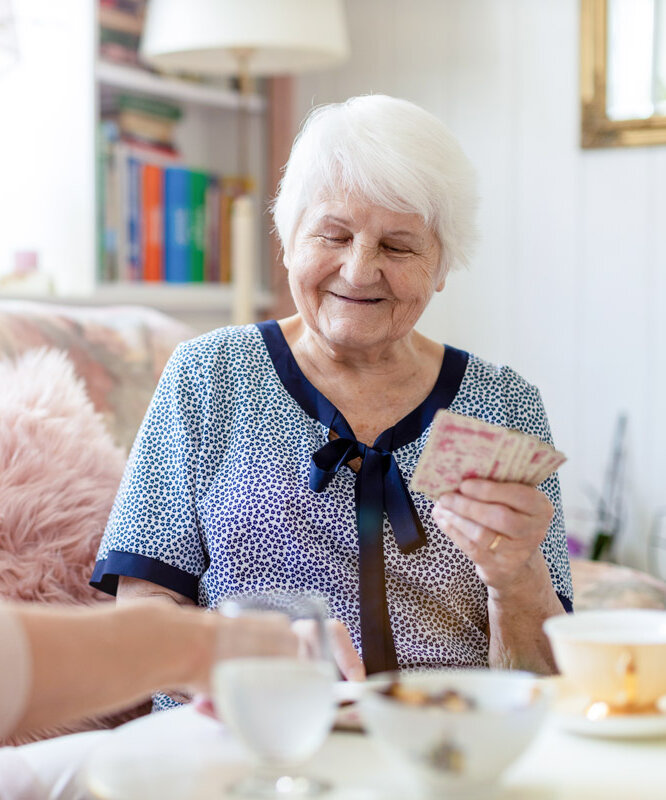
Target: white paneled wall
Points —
{"points": [[569, 281]]}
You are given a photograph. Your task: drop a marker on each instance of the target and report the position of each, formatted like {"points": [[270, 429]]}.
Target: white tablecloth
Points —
{"points": [[178, 755]]}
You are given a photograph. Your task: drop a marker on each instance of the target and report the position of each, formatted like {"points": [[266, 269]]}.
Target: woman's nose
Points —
{"points": [[360, 266]]}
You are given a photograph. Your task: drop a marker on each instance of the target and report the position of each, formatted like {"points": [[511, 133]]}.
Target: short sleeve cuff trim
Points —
{"points": [[566, 603], [107, 571]]}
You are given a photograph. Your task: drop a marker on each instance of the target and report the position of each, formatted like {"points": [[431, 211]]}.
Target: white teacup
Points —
{"points": [[617, 657]]}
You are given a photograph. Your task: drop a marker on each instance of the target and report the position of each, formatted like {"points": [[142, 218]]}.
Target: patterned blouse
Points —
{"points": [[218, 495]]}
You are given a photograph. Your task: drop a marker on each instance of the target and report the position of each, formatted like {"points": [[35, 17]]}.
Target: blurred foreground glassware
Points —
{"points": [[281, 709]]}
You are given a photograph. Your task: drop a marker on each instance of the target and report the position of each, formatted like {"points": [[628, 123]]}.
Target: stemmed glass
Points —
{"points": [[280, 708]]}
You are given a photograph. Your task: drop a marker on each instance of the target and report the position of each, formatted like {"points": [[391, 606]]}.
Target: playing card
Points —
{"points": [[460, 447], [552, 462], [544, 460], [530, 445], [508, 457]]}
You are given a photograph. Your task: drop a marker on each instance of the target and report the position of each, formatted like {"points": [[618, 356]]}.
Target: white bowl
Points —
{"points": [[613, 656], [456, 753]]}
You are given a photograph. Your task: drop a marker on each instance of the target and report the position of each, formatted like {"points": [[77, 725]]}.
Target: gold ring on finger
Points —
{"points": [[495, 542]]}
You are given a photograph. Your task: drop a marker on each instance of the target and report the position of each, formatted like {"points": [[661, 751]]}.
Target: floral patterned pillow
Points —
{"points": [[602, 585], [118, 351]]}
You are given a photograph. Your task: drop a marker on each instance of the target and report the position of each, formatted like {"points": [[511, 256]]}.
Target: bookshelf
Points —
{"points": [[51, 189], [201, 306], [207, 139], [132, 79], [176, 299]]}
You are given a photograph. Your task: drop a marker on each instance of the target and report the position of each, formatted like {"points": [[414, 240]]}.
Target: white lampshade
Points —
{"points": [[283, 36]]}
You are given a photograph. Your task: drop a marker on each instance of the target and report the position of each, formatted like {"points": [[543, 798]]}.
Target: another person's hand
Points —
{"points": [[249, 636], [242, 637], [344, 653], [272, 634], [204, 704], [297, 641], [499, 526], [255, 636]]}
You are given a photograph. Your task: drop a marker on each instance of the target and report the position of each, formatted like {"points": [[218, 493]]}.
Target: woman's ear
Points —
{"points": [[287, 252], [441, 280], [443, 270]]}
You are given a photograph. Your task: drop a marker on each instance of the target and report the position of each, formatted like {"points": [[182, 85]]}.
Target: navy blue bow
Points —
{"points": [[379, 487]]}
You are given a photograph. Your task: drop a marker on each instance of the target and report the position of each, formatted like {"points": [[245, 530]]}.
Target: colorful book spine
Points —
{"points": [[212, 246], [161, 220], [198, 183], [111, 207], [135, 267], [122, 213], [101, 165], [176, 224], [226, 200], [153, 222]]}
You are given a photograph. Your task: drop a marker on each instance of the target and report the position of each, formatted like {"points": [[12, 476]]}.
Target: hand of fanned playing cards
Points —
{"points": [[460, 447]]}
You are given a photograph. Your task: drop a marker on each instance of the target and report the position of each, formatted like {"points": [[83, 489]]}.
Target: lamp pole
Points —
{"points": [[242, 210]]}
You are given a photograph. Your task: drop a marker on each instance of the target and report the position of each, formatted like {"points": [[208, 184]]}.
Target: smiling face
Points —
{"points": [[360, 274]]}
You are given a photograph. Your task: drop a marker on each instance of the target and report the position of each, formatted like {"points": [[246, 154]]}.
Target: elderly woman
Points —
{"points": [[276, 456]]}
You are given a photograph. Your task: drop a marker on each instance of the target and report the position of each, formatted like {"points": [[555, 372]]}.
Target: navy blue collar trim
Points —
{"points": [[314, 403]]}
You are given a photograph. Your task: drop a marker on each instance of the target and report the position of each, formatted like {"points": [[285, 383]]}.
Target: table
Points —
{"points": [[181, 754]]}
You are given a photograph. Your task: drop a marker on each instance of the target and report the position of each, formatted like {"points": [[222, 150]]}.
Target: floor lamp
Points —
{"points": [[244, 38]]}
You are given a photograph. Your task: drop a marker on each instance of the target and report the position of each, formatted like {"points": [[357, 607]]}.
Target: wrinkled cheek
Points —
{"points": [[408, 312], [308, 301]]}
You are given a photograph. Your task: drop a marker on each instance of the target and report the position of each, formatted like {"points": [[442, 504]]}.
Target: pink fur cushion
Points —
{"points": [[59, 471]]}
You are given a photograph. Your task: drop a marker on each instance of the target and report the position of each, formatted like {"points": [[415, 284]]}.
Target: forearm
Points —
{"points": [[516, 616], [131, 589], [97, 660]]}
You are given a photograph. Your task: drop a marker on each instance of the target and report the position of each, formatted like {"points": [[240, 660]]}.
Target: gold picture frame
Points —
{"points": [[597, 130]]}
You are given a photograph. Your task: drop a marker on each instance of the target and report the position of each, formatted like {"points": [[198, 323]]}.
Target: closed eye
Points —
{"points": [[335, 239]]}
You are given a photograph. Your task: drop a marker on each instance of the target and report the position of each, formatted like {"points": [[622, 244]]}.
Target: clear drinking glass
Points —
{"points": [[280, 708]]}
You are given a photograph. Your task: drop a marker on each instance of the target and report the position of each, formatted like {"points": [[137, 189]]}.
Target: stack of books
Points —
{"points": [[142, 120], [121, 25], [162, 220]]}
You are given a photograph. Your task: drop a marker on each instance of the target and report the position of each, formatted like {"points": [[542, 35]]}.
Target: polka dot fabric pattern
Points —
{"points": [[215, 500]]}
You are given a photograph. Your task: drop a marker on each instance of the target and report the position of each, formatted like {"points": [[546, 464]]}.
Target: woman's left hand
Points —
{"points": [[498, 525]]}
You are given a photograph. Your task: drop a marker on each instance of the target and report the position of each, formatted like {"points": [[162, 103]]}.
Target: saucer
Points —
{"points": [[569, 714]]}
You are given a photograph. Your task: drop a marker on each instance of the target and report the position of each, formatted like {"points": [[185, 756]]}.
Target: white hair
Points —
{"points": [[390, 152]]}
